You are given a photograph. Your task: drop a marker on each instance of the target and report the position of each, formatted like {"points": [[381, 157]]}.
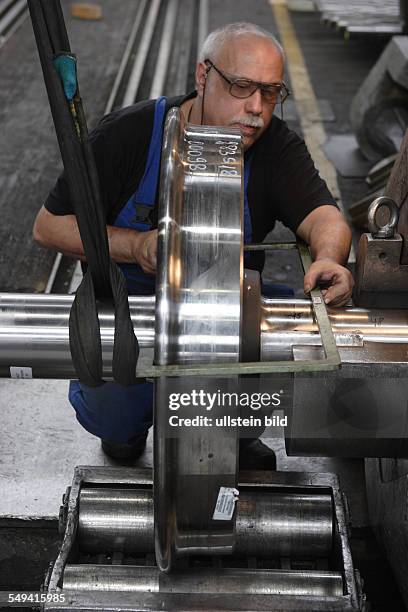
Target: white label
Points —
{"points": [[317, 300], [224, 508], [21, 372]]}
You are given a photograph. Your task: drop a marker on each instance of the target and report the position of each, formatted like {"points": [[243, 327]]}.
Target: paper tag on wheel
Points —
{"points": [[224, 508]]}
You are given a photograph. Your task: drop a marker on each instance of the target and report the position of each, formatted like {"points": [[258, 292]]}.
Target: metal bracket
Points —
{"points": [[331, 361]]}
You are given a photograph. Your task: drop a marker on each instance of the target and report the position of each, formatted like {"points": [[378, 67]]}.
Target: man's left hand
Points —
{"points": [[327, 271]]}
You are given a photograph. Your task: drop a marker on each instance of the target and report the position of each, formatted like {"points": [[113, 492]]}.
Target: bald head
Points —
{"points": [[235, 34], [240, 55]]}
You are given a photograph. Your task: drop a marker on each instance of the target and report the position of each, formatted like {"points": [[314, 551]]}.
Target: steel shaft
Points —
{"points": [[268, 524], [34, 330], [286, 324]]}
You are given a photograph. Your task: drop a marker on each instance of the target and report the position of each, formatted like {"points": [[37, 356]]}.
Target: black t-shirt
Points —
{"points": [[283, 185]]}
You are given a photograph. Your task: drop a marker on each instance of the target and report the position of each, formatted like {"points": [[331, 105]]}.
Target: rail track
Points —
{"points": [[12, 14]]}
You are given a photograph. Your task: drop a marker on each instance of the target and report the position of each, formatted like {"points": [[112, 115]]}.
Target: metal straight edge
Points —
{"points": [[271, 246], [320, 312], [254, 367], [332, 360], [319, 307]]}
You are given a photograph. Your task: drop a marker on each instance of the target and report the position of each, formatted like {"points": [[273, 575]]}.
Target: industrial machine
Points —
{"points": [[378, 111], [195, 533], [198, 535], [291, 550], [381, 282]]}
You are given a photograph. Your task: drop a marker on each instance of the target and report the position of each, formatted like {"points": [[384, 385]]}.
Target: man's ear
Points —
{"points": [[200, 75]]}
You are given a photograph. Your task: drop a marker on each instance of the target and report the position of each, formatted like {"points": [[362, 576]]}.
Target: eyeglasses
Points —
{"points": [[272, 93]]}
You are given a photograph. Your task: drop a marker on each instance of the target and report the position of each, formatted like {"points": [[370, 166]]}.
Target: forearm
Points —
{"points": [[329, 243], [62, 234], [328, 236], [124, 243]]}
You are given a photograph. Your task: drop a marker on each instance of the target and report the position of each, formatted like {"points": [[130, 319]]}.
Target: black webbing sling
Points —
{"points": [[103, 281]]}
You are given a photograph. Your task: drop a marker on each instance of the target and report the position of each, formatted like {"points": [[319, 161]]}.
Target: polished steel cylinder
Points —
{"points": [[267, 524], [284, 524], [286, 324], [34, 332], [116, 519], [254, 582], [296, 316]]}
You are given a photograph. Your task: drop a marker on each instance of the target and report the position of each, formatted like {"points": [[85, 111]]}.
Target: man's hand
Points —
{"points": [[145, 250], [328, 271], [327, 233], [126, 245]]}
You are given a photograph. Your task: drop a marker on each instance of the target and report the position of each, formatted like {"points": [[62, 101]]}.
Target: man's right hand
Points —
{"points": [[145, 250], [126, 245]]}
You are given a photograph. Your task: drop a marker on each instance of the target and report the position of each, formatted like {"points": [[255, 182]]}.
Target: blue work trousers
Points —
{"points": [[113, 412]]}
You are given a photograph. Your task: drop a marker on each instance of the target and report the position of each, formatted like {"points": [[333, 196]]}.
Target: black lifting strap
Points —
{"points": [[103, 280]]}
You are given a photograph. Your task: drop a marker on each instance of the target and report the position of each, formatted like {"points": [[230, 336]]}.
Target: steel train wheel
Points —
{"points": [[198, 320]]}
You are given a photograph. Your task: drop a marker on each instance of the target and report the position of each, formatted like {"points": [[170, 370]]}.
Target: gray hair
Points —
{"points": [[216, 39]]}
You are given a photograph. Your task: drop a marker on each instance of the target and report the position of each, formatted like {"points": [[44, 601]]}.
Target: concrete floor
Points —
{"points": [[42, 443]]}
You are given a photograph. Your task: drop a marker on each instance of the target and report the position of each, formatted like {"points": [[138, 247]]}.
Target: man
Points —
{"points": [[239, 80]]}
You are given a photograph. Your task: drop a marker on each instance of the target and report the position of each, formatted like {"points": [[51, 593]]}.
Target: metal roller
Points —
{"points": [[284, 524], [225, 581], [116, 519], [267, 524]]}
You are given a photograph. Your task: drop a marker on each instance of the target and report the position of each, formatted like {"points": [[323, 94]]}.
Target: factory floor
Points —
{"points": [[40, 440], [42, 443]]}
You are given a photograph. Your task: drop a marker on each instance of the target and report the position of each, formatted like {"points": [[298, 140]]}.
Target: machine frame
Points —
{"points": [[352, 599]]}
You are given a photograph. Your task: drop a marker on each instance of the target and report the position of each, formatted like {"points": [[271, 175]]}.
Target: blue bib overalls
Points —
{"points": [[111, 411]]}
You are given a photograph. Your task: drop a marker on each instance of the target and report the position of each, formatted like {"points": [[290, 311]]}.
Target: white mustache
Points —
{"points": [[256, 122]]}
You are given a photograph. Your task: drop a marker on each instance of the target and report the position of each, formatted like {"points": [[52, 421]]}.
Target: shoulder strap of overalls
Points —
{"points": [[135, 213], [148, 186]]}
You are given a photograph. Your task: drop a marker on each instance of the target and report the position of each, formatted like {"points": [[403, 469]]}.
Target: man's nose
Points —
{"points": [[254, 103]]}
